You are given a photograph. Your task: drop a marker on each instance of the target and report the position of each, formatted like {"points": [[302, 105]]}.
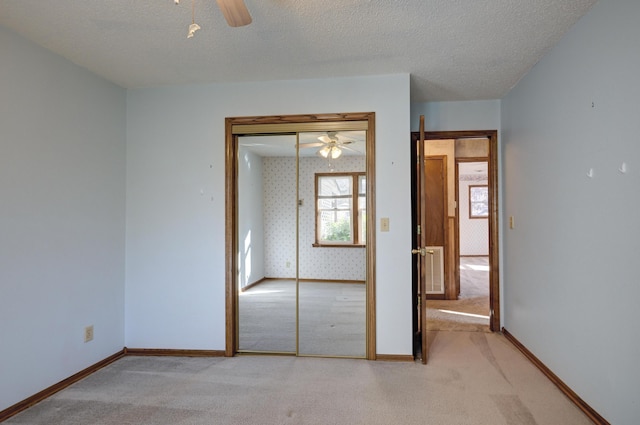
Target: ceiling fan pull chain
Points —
{"points": [[193, 27]]}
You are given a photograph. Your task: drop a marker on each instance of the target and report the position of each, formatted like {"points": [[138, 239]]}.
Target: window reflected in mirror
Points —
{"points": [[340, 209]]}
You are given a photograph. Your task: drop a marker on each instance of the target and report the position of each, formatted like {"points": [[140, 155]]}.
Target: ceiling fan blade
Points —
{"points": [[235, 12], [311, 145], [347, 148], [343, 140], [325, 139]]}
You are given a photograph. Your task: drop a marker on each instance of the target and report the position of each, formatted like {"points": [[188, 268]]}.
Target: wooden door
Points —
{"points": [[432, 213], [435, 195], [435, 226], [420, 239]]}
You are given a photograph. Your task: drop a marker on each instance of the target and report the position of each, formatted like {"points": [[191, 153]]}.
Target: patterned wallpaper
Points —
{"points": [[279, 190], [279, 194], [474, 233]]}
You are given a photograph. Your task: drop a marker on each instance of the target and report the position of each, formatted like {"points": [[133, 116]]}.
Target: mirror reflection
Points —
{"points": [[302, 237], [267, 243]]}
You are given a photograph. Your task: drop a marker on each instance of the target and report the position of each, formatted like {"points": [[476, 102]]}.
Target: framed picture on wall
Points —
{"points": [[478, 201]]}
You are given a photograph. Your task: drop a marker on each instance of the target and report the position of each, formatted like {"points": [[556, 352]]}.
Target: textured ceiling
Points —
{"points": [[453, 49], [285, 145]]}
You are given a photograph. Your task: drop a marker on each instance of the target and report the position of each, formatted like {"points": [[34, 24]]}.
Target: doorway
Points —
{"points": [[459, 148], [292, 282], [469, 311]]}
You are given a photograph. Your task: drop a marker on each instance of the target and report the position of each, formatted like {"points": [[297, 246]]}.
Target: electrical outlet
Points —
{"points": [[88, 333]]}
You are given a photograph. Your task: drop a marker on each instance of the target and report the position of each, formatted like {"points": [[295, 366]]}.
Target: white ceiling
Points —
{"points": [[473, 168], [453, 49], [282, 145]]}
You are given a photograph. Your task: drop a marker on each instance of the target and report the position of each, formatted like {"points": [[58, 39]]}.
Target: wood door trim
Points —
{"points": [[171, 352], [494, 259], [231, 232], [395, 358], [421, 178], [494, 241], [231, 181], [456, 255]]}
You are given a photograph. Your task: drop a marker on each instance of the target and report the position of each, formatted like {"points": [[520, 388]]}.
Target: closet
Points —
{"points": [[301, 280]]}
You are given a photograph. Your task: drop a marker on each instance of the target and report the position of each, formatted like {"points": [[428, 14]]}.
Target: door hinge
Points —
{"points": [[419, 230]]}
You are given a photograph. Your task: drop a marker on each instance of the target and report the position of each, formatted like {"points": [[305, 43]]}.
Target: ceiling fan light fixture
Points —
{"points": [[192, 29], [330, 151], [324, 152]]}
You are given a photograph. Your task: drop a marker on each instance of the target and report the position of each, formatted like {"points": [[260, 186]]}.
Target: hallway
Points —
{"points": [[470, 313]]}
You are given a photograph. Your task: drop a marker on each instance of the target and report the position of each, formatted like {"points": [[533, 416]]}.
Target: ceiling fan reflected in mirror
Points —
{"points": [[331, 145], [234, 11]]}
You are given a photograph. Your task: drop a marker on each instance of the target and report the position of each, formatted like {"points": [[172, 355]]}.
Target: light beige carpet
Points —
{"points": [[470, 313], [472, 378], [332, 318]]}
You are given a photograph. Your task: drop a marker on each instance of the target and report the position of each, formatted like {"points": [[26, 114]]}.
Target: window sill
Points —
{"points": [[324, 245]]}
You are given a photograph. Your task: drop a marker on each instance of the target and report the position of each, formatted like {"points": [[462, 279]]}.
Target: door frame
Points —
{"points": [[493, 173], [233, 126]]}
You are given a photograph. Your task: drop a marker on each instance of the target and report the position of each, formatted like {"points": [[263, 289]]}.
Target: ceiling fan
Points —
{"points": [[234, 11], [331, 145]]}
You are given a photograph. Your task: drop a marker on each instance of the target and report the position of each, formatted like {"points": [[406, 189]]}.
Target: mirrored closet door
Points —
{"points": [[332, 240], [301, 241], [267, 243]]}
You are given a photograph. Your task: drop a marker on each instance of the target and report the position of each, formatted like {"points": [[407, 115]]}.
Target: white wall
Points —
{"points": [[175, 236], [62, 186], [474, 232], [571, 280], [251, 260], [456, 116]]}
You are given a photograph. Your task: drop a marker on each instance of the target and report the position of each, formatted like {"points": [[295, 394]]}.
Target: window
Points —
{"points": [[341, 212], [478, 201]]}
